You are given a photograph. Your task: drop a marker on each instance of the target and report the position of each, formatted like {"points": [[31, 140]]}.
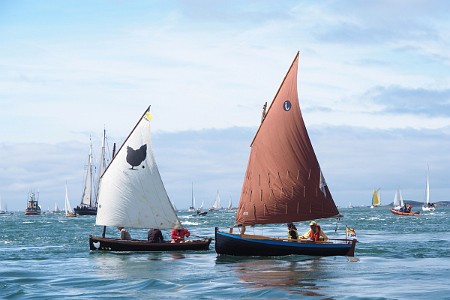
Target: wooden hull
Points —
{"points": [[400, 213], [86, 211], [234, 244], [108, 244]]}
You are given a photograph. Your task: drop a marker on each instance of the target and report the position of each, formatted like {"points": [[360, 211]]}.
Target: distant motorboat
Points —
{"points": [[33, 207]]}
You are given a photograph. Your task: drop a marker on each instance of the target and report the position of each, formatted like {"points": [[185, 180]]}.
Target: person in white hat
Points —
{"points": [[315, 233], [179, 233]]}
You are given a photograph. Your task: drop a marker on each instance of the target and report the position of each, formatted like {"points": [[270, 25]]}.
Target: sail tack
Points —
{"points": [[284, 181], [131, 192]]}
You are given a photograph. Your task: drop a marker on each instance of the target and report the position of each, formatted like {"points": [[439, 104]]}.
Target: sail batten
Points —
{"points": [[282, 146]]}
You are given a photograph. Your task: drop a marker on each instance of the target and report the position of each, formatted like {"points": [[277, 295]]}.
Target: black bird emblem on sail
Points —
{"points": [[136, 157]]}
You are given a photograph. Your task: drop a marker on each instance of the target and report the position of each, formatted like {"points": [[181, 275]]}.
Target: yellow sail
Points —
{"points": [[376, 198]]}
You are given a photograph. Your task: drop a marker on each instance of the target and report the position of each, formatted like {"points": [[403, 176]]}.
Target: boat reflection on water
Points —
{"points": [[136, 265], [299, 276]]}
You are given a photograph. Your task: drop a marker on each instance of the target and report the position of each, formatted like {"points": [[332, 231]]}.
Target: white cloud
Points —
{"points": [[69, 70]]}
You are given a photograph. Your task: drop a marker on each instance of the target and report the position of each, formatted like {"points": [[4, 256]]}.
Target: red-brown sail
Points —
{"points": [[283, 181]]}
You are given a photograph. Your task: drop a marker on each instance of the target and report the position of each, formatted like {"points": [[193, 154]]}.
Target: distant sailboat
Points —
{"points": [[56, 210], [283, 183], [427, 206], [3, 208], [88, 205], [67, 207], [230, 205], [398, 200], [132, 195], [192, 207], [376, 198], [216, 205]]}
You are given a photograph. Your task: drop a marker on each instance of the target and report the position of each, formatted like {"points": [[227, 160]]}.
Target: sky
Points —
{"points": [[373, 83]]}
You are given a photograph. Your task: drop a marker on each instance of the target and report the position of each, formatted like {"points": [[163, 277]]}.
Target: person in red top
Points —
{"points": [[179, 233], [315, 233]]}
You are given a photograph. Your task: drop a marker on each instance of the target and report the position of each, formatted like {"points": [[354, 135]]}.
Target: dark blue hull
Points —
{"points": [[234, 244]]}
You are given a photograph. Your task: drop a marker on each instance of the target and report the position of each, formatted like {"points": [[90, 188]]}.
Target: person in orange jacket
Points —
{"points": [[315, 233]]}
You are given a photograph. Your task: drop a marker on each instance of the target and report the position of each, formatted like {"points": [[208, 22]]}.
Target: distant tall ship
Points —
{"points": [[88, 205], [33, 207]]}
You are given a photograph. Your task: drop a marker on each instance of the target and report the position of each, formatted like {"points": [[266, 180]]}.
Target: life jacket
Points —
{"points": [[315, 236]]}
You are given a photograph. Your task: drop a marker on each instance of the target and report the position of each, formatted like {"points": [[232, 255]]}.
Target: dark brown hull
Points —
{"points": [[234, 244], [108, 244]]}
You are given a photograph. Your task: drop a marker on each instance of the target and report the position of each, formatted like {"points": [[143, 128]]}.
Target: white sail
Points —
{"points": [[427, 206], [398, 199], [4, 209], [217, 204], [192, 207], [131, 192], [67, 207], [86, 199]]}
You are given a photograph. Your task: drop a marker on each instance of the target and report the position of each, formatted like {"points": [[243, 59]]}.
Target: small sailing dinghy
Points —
{"points": [[283, 183], [67, 207], [216, 205], [132, 195], [427, 206]]}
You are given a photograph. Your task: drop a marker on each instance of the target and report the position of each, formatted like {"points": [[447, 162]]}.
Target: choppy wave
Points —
{"points": [[47, 257]]}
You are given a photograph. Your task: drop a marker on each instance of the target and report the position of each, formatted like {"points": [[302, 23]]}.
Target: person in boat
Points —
{"points": [[315, 233], [179, 233], [124, 234], [292, 232], [155, 235], [409, 208]]}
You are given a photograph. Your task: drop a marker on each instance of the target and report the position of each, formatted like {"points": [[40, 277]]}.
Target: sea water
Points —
{"points": [[48, 257]]}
